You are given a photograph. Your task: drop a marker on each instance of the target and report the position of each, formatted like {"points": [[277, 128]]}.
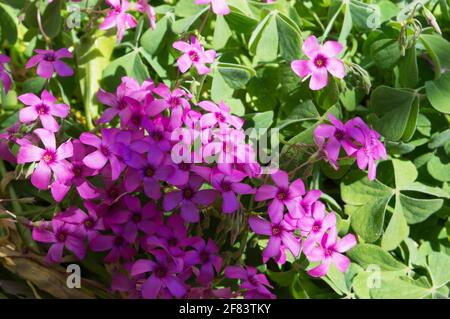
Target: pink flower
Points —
{"points": [[49, 159], [144, 7], [44, 108], [109, 147], [194, 54], [188, 197], [117, 245], [255, 285], [164, 274], [60, 235], [4, 75], [229, 186], [330, 138], [282, 194], [318, 223], [218, 114], [280, 234], [118, 16], [219, 7], [206, 255], [371, 148], [176, 101], [322, 59], [48, 61], [329, 251]]}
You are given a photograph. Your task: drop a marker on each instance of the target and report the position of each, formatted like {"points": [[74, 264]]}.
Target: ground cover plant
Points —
{"points": [[224, 149]]}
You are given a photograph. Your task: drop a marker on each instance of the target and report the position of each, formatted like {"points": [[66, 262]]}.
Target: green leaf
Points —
{"points": [[399, 288], [152, 40], [222, 33], [408, 69], [438, 49], [397, 229], [183, 25], [364, 16], [438, 93], [260, 120], [439, 265], [439, 166], [289, 38], [130, 64], [395, 109], [386, 53], [367, 254], [93, 54], [236, 76], [8, 24], [267, 47], [52, 19], [439, 139]]}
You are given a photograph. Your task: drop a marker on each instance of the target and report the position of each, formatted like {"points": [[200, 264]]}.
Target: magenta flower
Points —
{"points": [[134, 217], [176, 101], [282, 194], [318, 223], [9, 135], [4, 75], [255, 285], [117, 245], [147, 171], [194, 54], [43, 108], [229, 186], [329, 251], [371, 148], [117, 102], [80, 172], [322, 59], [61, 235], [88, 224], [144, 7], [188, 197], [49, 61], [280, 234], [118, 17], [330, 138], [49, 159], [307, 202], [206, 255], [218, 114], [109, 148], [164, 274], [219, 7]]}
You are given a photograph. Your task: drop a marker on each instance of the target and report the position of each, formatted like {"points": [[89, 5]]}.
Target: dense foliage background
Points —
{"points": [[397, 58]]}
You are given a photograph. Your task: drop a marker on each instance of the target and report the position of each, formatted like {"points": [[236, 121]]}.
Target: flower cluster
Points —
{"points": [[356, 138]]}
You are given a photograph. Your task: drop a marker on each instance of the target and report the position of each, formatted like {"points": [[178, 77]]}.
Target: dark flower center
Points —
{"points": [[339, 134], [316, 227], [113, 192], [157, 135], [104, 150], [77, 171], [184, 166], [160, 272], [320, 61], [42, 109], [137, 218], [149, 171], [253, 281], [204, 257], [89, 223], [118, 241], [61, 237], [188, 193], [174, 101], [226, 186], [220, 117], [172, 241], [50, 57], [276, 230], [282, 195], [136, 119], [194, 56], [328, 252], [49, 157]]}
